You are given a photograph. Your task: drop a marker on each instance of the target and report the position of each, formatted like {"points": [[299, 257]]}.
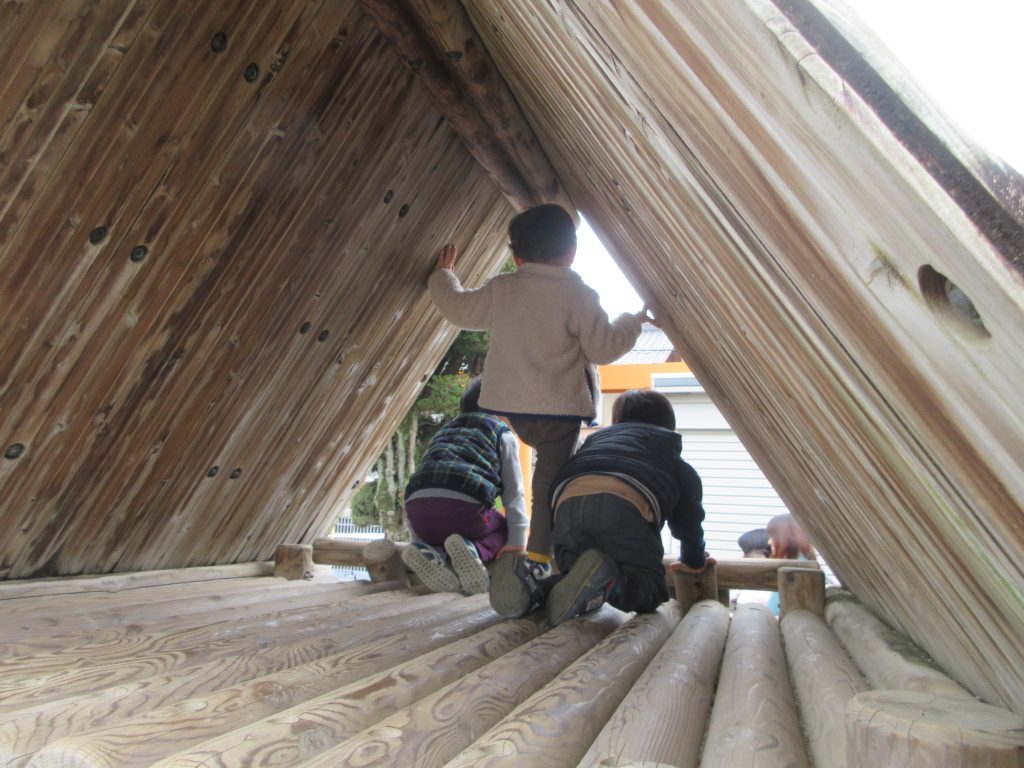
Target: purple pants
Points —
{"points": [[434, 519]]}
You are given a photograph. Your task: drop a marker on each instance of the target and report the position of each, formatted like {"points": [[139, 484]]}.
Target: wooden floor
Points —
{"points": [[235, 667]]}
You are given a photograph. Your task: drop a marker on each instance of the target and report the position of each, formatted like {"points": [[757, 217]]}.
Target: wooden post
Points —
{"points": [[801, 589], [693, 587], [383, 559], [294, 561], [911, 729]]}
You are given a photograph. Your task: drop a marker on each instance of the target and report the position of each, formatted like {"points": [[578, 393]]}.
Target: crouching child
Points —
{"points": [[449, 501], [611, 501]]}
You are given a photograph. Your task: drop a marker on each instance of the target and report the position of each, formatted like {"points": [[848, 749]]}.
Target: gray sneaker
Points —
{"points": [[514, 592], [429, 565], [584, 588], [468, 566]]}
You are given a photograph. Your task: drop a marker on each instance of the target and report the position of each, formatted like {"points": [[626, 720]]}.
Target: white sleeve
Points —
{"points": [[469, 309], [513, 498]]}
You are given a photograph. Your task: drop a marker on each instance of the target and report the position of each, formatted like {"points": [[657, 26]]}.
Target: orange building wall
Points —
{"points": [[619, 378]]}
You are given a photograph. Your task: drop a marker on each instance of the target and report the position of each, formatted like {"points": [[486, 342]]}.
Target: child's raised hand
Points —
{"points": [[648, 317], [447, 256]]}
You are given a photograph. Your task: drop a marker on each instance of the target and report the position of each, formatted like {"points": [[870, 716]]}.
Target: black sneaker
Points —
{"points": [[513, 591], [584, 588]]}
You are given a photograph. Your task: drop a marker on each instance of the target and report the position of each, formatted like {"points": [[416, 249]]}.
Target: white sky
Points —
{"points": [[968, 58]]}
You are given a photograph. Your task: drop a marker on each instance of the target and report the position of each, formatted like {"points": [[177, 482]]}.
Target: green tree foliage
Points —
{"points": [[382, 501]]}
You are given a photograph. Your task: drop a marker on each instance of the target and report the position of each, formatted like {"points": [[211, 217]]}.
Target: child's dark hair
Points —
{"points": [[542, 234], [644, 405], [470, 400], [755, 541]]}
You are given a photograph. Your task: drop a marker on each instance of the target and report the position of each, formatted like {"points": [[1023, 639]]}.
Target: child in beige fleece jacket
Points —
{"points": [[548, 334]]}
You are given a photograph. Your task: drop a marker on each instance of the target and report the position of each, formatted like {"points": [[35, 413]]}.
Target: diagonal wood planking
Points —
{"points": [[779, 228], [317, 193]]}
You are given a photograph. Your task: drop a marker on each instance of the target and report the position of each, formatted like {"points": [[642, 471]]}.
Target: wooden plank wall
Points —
{"points": [[213, 218], [794, 252]]}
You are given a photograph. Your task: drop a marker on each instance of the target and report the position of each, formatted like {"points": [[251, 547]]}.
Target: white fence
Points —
{"points": [[344, 528]]}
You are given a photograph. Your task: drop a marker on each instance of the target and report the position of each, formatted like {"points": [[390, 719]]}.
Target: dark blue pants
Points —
{"points": [[615, 527]]}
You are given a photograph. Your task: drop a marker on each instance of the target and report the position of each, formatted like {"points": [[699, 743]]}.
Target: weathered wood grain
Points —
{"points": [[141, 740], [434, 730], [117, 582], [108, 701], [72, 624], [662, 719], [54, 675], [910, 729], [754, 720], [293, 561], [768, 214], [692, 588], [801, 589], [886, 657], [825, 679], [556, 726], [255, 208]]}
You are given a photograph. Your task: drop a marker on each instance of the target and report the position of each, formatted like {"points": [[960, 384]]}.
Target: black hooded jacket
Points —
{"points": [[648, 458]]}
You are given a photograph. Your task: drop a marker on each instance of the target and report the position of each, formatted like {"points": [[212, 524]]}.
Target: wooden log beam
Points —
{"points": [[754, 719], [310, 734], [103, 702], [753, 572], [118, 582], [77, 631], [294, 561], [143, 740], [910, 729], [801, 589], [58, 675], [556, 726], [824, 680], [338, 552], [888, 659], [517, 181], [662, 719], [454, 41], [437, 728]]}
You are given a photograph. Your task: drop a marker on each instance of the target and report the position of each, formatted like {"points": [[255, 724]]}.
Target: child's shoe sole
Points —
{"points": [[469, 568], [432, 571], [583, 589], [510, 595]]}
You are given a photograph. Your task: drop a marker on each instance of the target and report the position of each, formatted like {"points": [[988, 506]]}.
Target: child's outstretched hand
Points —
{"points": [[446, 258]]}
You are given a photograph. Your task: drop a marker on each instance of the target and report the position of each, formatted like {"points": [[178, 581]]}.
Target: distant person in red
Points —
{"points": [[788, 541]]}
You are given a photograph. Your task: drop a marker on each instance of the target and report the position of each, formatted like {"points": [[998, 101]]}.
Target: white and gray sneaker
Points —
{"points": [[429, 565], [466, 561]]}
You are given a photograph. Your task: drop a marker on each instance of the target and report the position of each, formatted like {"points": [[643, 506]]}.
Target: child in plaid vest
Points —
{"points": [[449, 500]]}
